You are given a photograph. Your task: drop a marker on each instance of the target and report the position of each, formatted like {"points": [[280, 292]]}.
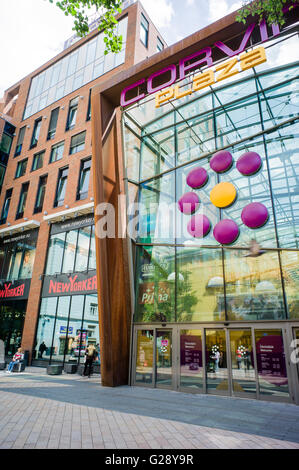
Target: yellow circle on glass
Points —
{"points": [[223, 194]]}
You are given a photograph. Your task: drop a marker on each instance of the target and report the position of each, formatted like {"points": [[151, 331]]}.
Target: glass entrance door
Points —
{"points": [[243, 378], [217, 378], [164, 373]]}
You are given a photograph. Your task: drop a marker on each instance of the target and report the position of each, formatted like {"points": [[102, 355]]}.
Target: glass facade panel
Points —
{"points": [[69, 73], [253, 286], [199, 285], [155, 299]]}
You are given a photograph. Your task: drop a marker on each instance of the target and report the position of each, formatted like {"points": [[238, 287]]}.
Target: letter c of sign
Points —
{"points": [[123, 101]]}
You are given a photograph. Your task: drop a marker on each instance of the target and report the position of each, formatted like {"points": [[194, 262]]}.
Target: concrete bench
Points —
{"points": [[54, 369], [70, 368], [2, 365]]}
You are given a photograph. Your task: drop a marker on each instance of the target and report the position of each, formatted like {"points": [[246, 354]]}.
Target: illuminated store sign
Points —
{"points": [[15, 290], [225, 70], [79, 283], [202, 58]]}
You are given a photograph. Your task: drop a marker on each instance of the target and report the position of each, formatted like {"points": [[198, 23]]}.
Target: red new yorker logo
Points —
{"points": [[12, 292], [73, 286]]}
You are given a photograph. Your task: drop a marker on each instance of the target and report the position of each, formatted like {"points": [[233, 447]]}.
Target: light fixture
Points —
{"points": [[82, 97], [28, 127], [45, 213], [67, 206], [25, 218], [62, 107], [8, 223], [45, 117]]}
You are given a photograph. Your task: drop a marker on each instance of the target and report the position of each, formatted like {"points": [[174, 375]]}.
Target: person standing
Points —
{"points": [[42, 349], [18, 356], [90, 356]]}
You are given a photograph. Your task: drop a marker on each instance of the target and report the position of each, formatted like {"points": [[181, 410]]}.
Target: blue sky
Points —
{"points": [[34, 31]]}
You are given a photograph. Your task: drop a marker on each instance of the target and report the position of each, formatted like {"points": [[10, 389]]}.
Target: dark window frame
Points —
{"points": [[6, 204], [59, 202], [35, 156], [41, 185], [24, 189], [144, 25], [20, 141], [80, 195], [20, 164], [37, 127], [53, 123]]}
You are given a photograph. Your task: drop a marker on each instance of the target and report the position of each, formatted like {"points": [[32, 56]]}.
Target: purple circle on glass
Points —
{"points": [[197, 178], [255, 215], [221, 161], [199, 226], [226, 232], [188, 203], [249, 163]]}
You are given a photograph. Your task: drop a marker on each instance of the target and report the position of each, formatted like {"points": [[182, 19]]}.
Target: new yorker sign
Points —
{"points": [[15, 290], [70, 284], [203, 58]]}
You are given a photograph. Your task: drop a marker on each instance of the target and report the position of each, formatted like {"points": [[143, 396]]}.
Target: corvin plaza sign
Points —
{"points": [[202, 58]]}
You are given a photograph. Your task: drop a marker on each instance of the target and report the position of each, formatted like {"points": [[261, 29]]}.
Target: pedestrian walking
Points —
{"points": [[90, 356], [18, 356]]}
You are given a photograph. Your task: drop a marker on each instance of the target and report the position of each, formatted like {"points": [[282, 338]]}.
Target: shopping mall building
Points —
{"points": [[150, 205], [200, 293], [48, 283]]}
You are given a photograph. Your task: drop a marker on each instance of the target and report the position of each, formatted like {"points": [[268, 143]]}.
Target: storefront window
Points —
{"points": [[72, 346], [60, 339], [27, 264], [253, 286], [145, 357], [82, 249], [90, 327], [92, 252], [44, 336], [155, 290]]}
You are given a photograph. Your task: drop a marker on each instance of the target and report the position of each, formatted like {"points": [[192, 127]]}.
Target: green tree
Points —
{"points": [[108, 9], [272, 10]]}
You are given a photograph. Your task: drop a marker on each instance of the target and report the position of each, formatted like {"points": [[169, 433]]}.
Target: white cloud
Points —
{"points": [[220, 8], [190, 2], [159, 11]]}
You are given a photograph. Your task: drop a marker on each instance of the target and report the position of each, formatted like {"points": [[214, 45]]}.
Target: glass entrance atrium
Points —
{"points": [[228, 267]]}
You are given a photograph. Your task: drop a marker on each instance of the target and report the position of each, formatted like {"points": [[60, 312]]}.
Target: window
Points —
{"points": [[36, 131], [77, 142], [6, 141], [5, 207], [82, 191], [72, 114], [53, 124], [160, 45], [20, 141], [144, 27], [61, 186], [89, 107], [21, 168], [40, 194], [56, 152], [38, 160], [22, 201]]}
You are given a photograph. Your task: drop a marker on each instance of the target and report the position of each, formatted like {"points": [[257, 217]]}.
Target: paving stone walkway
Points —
{"points": [[38, 411]]}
